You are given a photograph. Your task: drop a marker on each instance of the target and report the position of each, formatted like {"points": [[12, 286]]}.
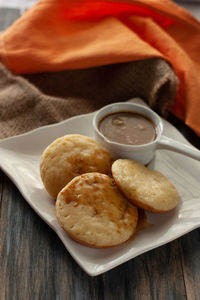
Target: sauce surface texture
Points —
{"points": [[127, 128]]}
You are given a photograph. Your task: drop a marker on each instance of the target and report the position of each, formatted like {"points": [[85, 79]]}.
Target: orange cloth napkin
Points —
{"points": [[69, 34]]}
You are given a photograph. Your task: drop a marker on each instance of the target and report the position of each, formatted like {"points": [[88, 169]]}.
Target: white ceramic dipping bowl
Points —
{"points": [[142, 153]]}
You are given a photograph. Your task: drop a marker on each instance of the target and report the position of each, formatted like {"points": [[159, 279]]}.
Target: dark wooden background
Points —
{"points": [[34, 264]]}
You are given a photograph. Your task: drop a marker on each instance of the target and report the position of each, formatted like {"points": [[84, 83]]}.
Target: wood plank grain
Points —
{"points": [[154, 275], [28, 252], [190, 251]]}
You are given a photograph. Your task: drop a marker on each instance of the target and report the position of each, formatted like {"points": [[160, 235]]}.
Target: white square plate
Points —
{"points": [[20, 158]]}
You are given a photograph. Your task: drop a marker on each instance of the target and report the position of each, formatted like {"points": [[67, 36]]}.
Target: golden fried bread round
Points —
{"points": [[92, 210], [70, 156], [146, 188]]}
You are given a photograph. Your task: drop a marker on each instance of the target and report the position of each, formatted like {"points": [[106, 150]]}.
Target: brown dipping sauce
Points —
{"points": [[128, 128]]}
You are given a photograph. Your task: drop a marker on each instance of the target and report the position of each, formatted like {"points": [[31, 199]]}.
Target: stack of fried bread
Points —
{"points": [[97, 198]]}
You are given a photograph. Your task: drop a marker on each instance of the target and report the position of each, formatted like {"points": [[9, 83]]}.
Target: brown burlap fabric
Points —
{"points": [[40, 99]]}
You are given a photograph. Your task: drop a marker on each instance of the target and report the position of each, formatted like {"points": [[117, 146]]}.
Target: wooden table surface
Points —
{"points": [[34, 264]]}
